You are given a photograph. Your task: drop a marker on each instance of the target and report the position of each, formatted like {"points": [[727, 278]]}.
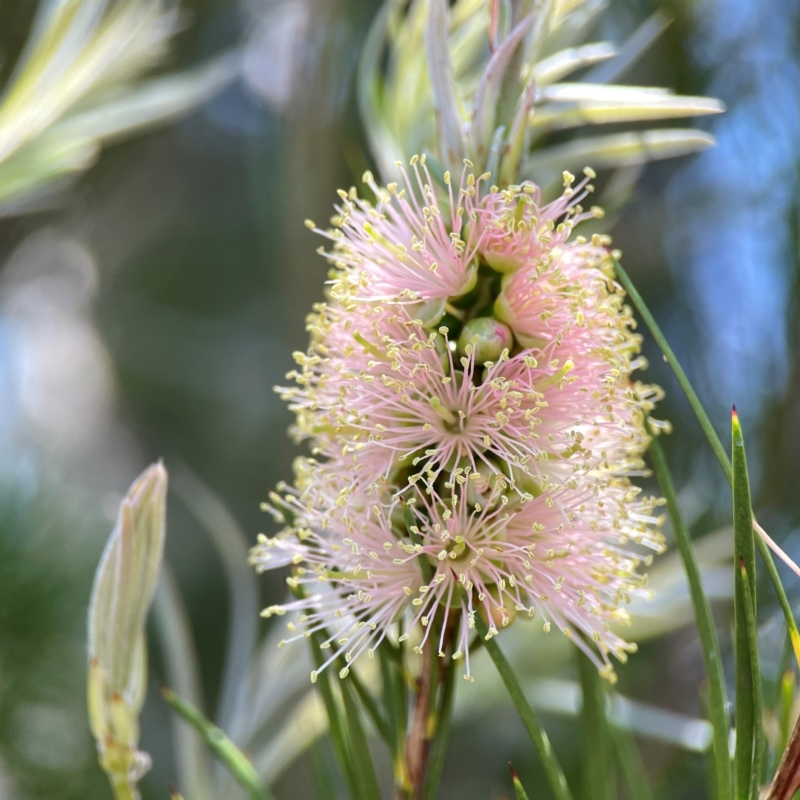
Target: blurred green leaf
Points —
{"points": [[705, 625], [441, 733], [555, 775], [367, 781], [596, 763], [228, 753], [519, 791]]}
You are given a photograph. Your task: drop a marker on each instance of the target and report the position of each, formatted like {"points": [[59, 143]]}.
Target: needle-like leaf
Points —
{"points": [[555, 775], [744, 612], [226, 751], [519, 790], [716, 446], [705, 625]]}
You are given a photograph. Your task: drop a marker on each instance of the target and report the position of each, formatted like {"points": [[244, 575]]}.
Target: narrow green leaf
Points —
{"points": [[382, 727], [395, 705], [573, 108], [488, 93], [440, 70], [519, 790], [788, 688], [595, 756], [744, 614], [636, 45], [757, 744], [744, 545], [360, 756], [225, 750], [713, 440], [630, 762], [555, 67], [323, 780], [628, 149], [441, 733], [338, 731], [553, 771], [709, 643]]}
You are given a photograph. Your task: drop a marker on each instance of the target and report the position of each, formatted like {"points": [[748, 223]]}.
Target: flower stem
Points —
{"points": [[417, 743]]}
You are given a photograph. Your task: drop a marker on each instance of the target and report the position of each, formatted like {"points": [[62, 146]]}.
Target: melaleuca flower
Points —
{"points": [[477, 457], [516, 227], [357, 573], [406, 248], [398, 404], [562, 556]]}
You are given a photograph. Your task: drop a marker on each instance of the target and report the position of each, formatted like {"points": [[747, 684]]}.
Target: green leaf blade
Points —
{"points": [[713, 441], [744, 616], [596, 763], [705, 624], [553, 771], [519, 789], [226, 751]]}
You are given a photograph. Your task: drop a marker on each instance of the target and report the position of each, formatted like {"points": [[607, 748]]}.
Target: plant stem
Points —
{"points": [[417, 743]]}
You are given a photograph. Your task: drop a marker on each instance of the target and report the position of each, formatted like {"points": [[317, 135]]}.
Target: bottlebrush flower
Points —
{"points": [[405, 249], [563, 557], [477, 462]]}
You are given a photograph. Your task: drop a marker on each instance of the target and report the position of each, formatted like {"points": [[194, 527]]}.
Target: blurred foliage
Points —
{"points": [[179, 263]]}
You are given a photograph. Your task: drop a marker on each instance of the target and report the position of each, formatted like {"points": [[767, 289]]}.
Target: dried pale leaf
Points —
{"points": [[383, 145], [307, 723], [571, 23], [182, 673], [152, 102], [786, 782]]}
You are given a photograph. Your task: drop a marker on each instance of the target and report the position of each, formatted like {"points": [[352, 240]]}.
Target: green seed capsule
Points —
{"points": [[486, 338]]}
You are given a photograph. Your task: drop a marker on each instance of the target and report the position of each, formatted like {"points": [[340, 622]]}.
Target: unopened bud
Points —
{"points": [[487, 337], [122, 593]]}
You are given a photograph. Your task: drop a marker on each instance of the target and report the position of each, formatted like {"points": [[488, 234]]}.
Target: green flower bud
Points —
{"points": [[428, 313], [505, 313], [486, 337]]}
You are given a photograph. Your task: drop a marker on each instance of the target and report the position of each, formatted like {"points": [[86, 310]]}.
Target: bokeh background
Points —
{"points": [[147, 311]]}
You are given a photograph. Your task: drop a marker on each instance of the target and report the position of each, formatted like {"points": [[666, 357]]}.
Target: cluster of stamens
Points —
{"points": [[473, 427]]}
